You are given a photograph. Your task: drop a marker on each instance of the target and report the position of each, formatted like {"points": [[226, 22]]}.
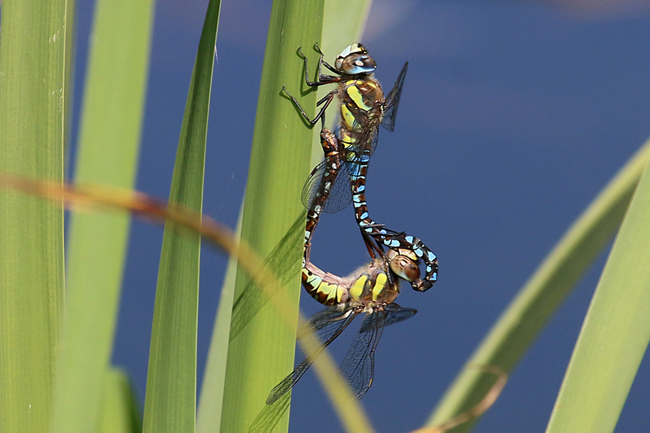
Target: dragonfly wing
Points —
{"points": [[358, 366], [329, 324], [392, 100], [395, 314], [339, 196], [279, 260], [266, 420], [373, 141], [310, 190]]}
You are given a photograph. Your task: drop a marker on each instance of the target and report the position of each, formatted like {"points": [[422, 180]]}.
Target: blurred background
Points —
{"points": [[513, 116]]}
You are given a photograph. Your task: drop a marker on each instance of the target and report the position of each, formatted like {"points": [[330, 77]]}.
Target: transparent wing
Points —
{"points": [[358, 366], [359, 363], [392, 100], [270, 415], [329, 324], [339, 196], [394, 314], [252, 298], [363, 138]]}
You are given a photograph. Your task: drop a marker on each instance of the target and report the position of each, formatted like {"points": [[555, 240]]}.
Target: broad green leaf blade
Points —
{"points": [[107, 154], [32, 117], [615, 333], [262, 353], [342, 29], [339, 31], [170, 403], [521, 323], [119, 407], [207, 418]]}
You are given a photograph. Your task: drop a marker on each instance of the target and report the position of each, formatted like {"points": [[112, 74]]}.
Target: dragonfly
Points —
{"points": [[362, 109], [370, 291]]}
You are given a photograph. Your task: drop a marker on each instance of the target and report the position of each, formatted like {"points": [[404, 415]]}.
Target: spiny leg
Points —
{"points": [[322, 79], [373, 248], [323, 62], [326, 101]]}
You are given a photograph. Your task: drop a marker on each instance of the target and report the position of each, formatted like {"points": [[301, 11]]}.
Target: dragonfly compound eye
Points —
{"points": [[354, 59], [403, 266], [358, 64]]}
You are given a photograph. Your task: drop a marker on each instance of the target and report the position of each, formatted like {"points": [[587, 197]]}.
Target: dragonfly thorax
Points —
{"points": [[362, 98], [372, 287], [361, 112]]}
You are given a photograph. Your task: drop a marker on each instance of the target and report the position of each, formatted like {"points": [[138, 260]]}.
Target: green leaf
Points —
{"points": [[521, 323], [208, 418], [262, 352], [249, 301], [170, 403], [339, 31], [34, 42], [107, 154], [615, 333], [120, 413], [342, 29]]}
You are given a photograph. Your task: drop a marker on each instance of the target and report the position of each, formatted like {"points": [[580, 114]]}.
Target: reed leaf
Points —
{"points": [[262, 352], [107, 153], [120, 413], [520, 324], [34, 54], [615, 332], [170, 402]]}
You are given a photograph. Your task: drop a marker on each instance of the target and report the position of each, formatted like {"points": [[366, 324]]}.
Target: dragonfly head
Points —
{"points": [[403, 264], [354, 59]]}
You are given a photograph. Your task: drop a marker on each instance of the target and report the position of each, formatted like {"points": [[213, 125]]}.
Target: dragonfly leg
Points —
{"points": [[373, 247], [322, 79], [325, 102], [323, 62]]}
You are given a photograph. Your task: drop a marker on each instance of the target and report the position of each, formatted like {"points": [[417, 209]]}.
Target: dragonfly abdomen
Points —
{"points": [[326, 288]]}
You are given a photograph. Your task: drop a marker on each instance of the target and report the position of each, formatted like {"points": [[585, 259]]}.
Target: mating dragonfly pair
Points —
{"points": [[339, 179]]}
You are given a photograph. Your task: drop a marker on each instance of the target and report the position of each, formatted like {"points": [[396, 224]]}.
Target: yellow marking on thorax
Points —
{"points": [[356, 291], [380, 285], [357, 97], [347, 140], [348, 117]]}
